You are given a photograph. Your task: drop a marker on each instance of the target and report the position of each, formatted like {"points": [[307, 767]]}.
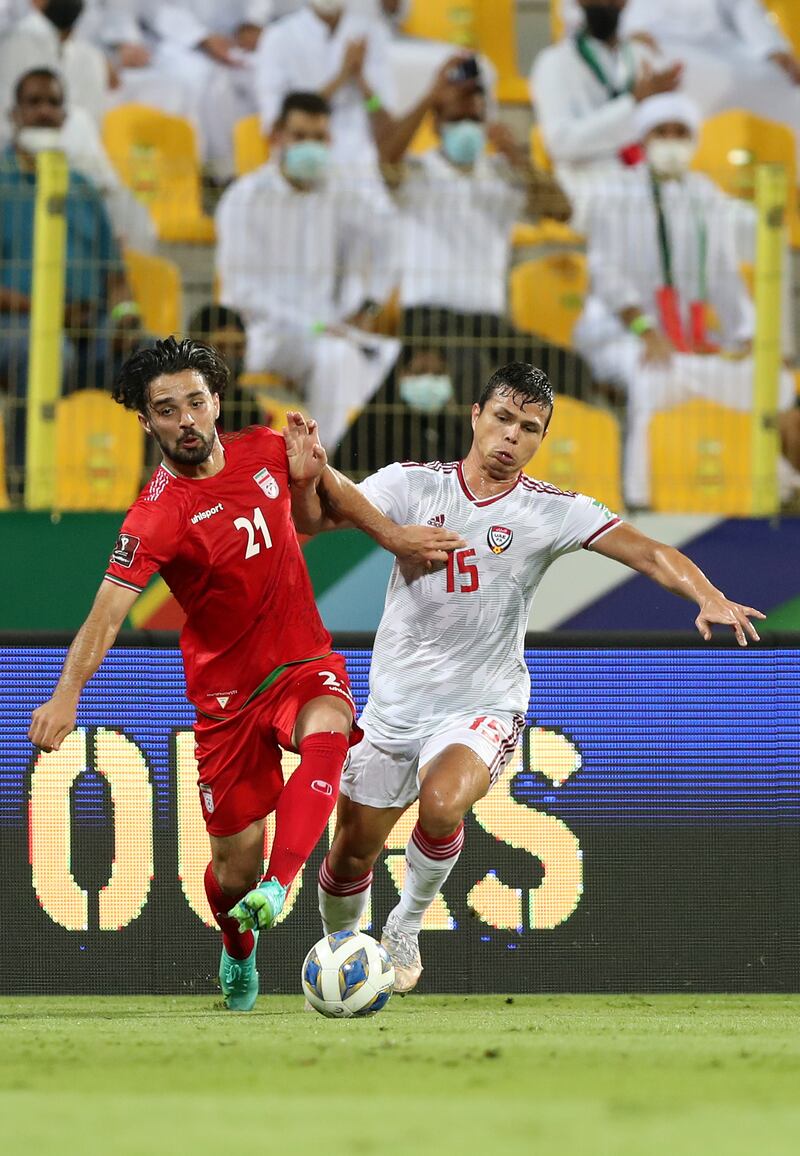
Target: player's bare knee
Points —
{"points": [[236, 875], [439, 812], [351, 857]]}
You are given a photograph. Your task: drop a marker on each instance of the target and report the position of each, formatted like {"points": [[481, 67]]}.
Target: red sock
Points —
{"points": [[306, 804], [238, 944]]}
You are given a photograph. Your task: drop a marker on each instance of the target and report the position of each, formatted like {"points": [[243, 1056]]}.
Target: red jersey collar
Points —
{"points": [[483, 501]]}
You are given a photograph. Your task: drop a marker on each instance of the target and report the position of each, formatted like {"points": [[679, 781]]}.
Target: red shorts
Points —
{"points": [[239, 758]]}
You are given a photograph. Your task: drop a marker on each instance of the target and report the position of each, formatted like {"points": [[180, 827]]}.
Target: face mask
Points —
{"points": [[328, 7], [670, 158], [62, 14], [427, 392], [306, 161], [602, 20], [463, 141], [39, 140]]}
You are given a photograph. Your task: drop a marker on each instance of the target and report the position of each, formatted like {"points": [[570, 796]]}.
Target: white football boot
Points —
{"points": [[403, 947]]}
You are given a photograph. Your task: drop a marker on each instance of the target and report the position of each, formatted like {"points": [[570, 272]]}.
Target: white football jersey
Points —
{"points": [[451, 640]]}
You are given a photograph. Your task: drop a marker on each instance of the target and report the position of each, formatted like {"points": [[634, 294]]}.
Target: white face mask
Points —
{"points": [[670, 158], [328, 7], [39, 140], [427, 392]]}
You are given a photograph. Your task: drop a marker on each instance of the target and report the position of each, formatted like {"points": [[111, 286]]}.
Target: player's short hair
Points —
{"points": [[523, 382], [168, 357], [36, 74], [309, 102]]}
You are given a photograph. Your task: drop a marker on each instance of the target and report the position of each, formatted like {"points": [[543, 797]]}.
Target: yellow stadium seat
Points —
{"points": [[581, 452], [547, 295], [786, 14], [545, 232], [250, 145], [99, 453], [4, 502], [556, 20], [156, 285], [156, 156], [539, 155], [733, 144], [496, 37], [701, 460], [425, 138], [450, 20]]}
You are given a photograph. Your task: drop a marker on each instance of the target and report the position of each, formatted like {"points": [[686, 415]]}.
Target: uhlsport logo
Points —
{"points": [[265, 482], [209, 513], [499, 538]]}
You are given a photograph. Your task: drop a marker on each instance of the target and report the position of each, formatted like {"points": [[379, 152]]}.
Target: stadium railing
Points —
{"points": [[698, 460]]}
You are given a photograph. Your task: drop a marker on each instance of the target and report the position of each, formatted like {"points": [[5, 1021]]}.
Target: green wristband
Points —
{"points": [[318, 326], [642, 324], [125, 309], [373, 103]]}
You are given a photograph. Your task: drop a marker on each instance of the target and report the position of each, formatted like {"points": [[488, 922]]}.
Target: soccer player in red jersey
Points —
{"points": [[216, 520]]}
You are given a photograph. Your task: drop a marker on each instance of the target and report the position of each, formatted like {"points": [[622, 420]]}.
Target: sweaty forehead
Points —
{"points": [[175, 386], [516, 404]]}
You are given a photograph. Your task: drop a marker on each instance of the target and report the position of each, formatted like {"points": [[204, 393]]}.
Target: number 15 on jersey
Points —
{"points": [[462, 574]]}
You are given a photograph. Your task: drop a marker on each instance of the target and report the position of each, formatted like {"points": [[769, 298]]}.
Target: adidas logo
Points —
{"points": [[438, 520]]}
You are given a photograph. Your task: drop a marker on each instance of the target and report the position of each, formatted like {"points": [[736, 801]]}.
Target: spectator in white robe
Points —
{"points": [[345, 56], [210, 48], [663, 253], [585, 91], [46, 37], [116, 26], [301, 255], [733, 54]]}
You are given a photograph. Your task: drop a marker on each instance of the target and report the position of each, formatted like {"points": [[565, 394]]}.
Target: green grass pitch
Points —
{"points": [[595, 1075]]}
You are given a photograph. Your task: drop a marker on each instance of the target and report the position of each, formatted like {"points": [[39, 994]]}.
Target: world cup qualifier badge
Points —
{"points": [[499, 538], [265, 481]]}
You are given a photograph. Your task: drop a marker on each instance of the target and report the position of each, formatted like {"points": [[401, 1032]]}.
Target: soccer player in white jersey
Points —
{"points": [[449, 686]]}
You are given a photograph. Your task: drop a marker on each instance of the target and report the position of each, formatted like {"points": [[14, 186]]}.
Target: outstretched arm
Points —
{"points": [[678, 574], [324, 499], [54, 719]]}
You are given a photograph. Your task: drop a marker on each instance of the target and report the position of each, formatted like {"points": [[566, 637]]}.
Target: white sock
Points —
{"points": [[429, 862], [341, 901]]}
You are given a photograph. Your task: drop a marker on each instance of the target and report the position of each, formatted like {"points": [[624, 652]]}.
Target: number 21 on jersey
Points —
{"points": [[462, 574], [252, 528]]}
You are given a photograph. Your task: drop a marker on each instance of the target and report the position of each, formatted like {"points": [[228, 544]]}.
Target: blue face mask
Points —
{"points": [[306, 161], [463, 141]]}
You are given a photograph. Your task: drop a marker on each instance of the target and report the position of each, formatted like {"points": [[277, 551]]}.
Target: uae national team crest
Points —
{"points": [[499, 538], [265, 481]]}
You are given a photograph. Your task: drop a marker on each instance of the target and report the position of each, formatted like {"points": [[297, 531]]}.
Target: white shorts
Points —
{"points": [[385, 772]]}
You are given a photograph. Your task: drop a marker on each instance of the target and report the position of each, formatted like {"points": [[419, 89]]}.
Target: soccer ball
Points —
{"points": [[347, 974]]}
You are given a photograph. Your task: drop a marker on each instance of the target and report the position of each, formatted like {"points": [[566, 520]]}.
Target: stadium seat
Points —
{"points": [[581, 452], [156, 285], [701, 460], [273, 394], [156, 156], [732, 145], [4, 502], [250, 145], [496, 37], [544, 232], [547, 295], [539, 154], [99, 453], [425, 137], [556, 20], [453, 21], [786, 14]]}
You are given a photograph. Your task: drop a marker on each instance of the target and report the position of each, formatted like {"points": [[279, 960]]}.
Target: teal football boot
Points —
{"points": [[238, 979], [259, 908]]}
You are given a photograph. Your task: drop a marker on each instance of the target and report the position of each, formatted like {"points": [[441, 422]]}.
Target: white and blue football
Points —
{"points": [[347, 974]]}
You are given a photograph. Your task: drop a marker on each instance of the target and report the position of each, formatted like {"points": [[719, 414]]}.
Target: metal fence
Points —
{"points": [[343, 305]]}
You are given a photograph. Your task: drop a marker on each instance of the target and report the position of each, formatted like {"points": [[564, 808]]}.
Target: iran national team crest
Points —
{"points": [[499, 538], [265, 481]]}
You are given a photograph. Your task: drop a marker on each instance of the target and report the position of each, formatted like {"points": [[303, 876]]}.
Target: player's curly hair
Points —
{"points": [[168, 357], [523, 382]]}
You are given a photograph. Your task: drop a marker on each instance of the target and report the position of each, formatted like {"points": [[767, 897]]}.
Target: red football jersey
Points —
{"points": [[227, 548]]}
